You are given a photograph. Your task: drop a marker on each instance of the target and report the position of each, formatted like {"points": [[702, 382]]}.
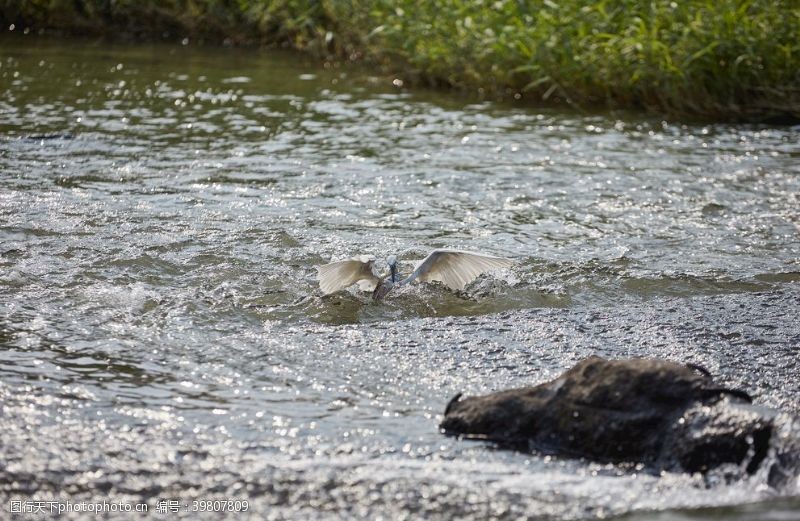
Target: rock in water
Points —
{"points": [[661, 413]]}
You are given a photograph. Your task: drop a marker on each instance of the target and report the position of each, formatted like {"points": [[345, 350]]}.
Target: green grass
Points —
{"points": [[719, 59]]}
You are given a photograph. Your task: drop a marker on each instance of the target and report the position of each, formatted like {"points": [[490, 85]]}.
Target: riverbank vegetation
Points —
{"points": [[719, 59]]}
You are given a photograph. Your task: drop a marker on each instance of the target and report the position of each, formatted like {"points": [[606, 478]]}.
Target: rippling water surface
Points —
{"points": [[162, 209]]}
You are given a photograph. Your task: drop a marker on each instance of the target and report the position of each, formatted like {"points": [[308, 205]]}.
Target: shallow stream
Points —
{"points": [[162, 208]]}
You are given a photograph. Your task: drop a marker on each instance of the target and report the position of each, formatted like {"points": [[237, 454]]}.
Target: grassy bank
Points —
{"points": [[720, 59]]}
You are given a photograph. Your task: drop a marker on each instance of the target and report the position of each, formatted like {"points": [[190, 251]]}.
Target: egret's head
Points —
{"points": [[391, 260]]}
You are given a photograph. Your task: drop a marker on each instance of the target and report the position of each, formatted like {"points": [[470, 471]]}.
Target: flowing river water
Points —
{"points": [[162, 208]]}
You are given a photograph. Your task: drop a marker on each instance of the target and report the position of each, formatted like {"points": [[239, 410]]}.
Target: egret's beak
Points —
{"points": [[393, 269]]}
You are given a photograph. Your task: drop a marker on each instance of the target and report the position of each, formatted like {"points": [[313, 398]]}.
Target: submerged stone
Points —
{"points": [[661, 413]]}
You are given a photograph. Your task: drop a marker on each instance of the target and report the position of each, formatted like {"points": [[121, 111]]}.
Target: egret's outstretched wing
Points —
{"points": [[343, 274], [455, 268]]}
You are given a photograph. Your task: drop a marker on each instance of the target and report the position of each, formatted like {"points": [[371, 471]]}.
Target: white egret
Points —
{"points": [[454, 268]]}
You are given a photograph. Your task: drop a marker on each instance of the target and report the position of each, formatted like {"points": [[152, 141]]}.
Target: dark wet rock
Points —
{"points": [[661, 413], [49, 136]]}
